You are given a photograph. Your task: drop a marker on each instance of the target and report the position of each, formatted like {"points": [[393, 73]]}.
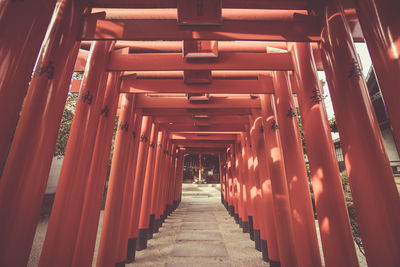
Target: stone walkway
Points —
{"points": [[200, 233]]}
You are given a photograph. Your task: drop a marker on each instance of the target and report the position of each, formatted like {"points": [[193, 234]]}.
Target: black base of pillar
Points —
{"points": [[245, 226], [141, 241], [257, 239], [151, 227], [131, 251], [231, 210], [120, 264], [251, 229], [274, 264], [264, 250], [170, 209], [240, 223], [236, 216], [157, 225]]}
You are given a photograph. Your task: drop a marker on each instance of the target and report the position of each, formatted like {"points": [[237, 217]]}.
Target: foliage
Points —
{"points": [[66, 123], [332, 124], [301, 132]]}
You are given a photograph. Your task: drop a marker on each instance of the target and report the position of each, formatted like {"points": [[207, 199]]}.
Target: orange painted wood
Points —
{"points": [[253, 4], [212, 128], [19, 49], [186, 136], [194, 111], [133, 85], [267, 223], [280, 194], [174, 61], [379, 22], [128, 187], [301, 28], [210, 120], [306, 241], [139, 177], [148, 102], [149, 179], [29, 160], [66, 212], [108, 247], [86, 239], [361, 140], [157, 176]]}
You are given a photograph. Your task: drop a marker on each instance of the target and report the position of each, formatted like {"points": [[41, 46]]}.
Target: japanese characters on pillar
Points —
{"points": [[85, 242], [336, 238], [361, 141], [296, 174], [108, 247], [76, 164], [280, 195]]}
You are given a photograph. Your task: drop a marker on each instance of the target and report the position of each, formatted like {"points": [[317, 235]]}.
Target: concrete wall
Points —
{"points": [[54, 175]]}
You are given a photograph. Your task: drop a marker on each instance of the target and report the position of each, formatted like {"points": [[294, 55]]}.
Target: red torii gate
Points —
{"points": [[264, 185]]}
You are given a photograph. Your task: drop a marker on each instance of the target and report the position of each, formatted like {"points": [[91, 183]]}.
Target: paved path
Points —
{"points": [[200, 233]]}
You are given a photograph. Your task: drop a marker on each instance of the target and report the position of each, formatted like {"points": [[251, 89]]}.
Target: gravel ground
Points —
{"points": [[163, 249]]}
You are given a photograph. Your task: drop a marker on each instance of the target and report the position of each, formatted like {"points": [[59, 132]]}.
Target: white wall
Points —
{"points": [[54, 175]]}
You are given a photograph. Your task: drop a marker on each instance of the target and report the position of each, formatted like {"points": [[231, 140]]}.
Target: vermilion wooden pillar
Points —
{"points": [[21, 40], [85, 242], [241, 187], [275, 161], [31, 153], [164, 170], [167, 171], [107, 254], [269, 246], [247, 183], [296, 174], [380, 24], [144, 220], [128, 189], [229, 178], [138, 187], [172, 181], [376, 198], [62, 230], [179, 177], [254, 220], [157, 185], [336, 237], [236, 184]]}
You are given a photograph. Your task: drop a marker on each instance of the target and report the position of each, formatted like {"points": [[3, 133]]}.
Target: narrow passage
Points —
{"points": [[200, 232]]}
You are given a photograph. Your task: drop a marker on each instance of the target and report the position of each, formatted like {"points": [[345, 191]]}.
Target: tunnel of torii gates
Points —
{"points": [[197, 76]]}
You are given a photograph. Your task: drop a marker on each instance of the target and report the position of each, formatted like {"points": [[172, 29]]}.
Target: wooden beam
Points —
{"points": [[300, 28], [187, 136], [174, 61], [185, 119], [205, 111], [211, 128], [248, 4], [204, 143], [146, 102], [130, 84]]}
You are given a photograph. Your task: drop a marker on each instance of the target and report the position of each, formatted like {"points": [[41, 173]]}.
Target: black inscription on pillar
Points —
{"points": [[134, 134], [291, 113], [355, 70], [317, 97], [274, 126], [40, 70], [105, 111], [124, 126], [87, 98], [152, 145], [159, 145], [143, 138], [200, 6], [262, 129]]}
